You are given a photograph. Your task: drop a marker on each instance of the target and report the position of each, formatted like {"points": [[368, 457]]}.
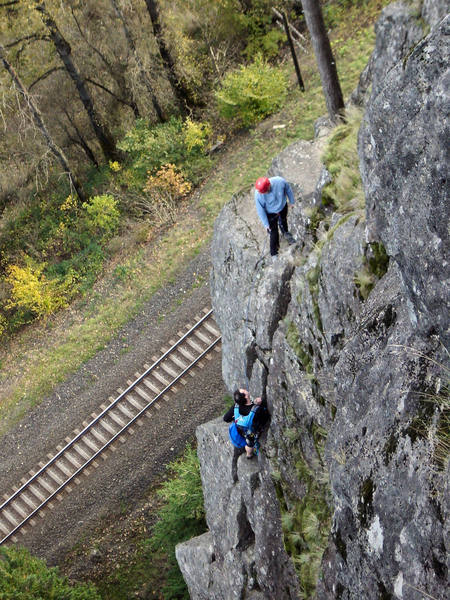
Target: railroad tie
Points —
{"points": [[90, 444], [16, 506], [4, 529], [98, 436], [190, 357], [201, 336], [211, 329], [182, 365], [148, 384], [62, 467]]}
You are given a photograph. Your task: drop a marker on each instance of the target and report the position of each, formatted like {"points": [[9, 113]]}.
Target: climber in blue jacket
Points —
{"points": [[271, 204], [247, 419]]}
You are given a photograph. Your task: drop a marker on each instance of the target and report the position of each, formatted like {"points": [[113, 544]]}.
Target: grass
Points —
{"points": [[345, 192], [41, 356], [306, 521]]}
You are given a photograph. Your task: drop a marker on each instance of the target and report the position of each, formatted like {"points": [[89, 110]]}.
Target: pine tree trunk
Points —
{"points": [[132, 46], [324, 56], [64, 51], [37, 116], [181, 92]]}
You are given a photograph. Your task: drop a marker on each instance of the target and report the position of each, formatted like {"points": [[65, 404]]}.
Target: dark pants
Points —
{"points": [[273, 219]]}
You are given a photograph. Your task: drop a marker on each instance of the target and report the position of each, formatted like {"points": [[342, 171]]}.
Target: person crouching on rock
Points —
{"points": [[271, 205], [247, 419]]}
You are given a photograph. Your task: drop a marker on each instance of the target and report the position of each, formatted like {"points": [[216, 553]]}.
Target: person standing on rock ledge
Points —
{"points": [[271, 204], [247, 419]]}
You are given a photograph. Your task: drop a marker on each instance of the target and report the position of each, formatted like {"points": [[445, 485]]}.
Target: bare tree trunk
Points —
{"points": [[37, 116], [181, 92], [132, 46], [324, 56], [64, 51], [294, 56]]}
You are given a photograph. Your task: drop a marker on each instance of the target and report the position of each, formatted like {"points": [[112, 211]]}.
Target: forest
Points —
{"points": [[107, 112], [112, 114]]}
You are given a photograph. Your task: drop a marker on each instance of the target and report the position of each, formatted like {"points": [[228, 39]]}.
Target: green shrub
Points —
{"points": [[335, 12], [25, 577], [181, 518], [65, 257], [267, 44], [102, 215], [149, 147], [196, 134], [251, 93], [262, 37]]}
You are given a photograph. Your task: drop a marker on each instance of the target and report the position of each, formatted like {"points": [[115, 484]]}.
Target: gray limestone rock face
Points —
{"points": [[404, 156], [355, 376], [389, 503], [433, 11], [242, 555], [249, 292], [397, 31]]}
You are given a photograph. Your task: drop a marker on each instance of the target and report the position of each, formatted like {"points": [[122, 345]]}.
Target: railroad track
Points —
{"points": [[105, 428]]}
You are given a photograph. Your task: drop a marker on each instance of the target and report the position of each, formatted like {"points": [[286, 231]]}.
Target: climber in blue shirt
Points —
{"points": [[247, 419], [271, 204]]}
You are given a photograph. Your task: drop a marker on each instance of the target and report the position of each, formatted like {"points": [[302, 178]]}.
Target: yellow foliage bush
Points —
{"points": [[165, 188], [32, 291], [70, 203], [115, 166], [196, 134]]}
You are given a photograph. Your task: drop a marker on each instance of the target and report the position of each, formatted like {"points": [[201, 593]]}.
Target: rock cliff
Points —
{"points": [[345, 335]]}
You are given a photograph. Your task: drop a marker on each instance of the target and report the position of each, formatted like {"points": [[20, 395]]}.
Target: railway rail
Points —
{"points": [[107, 427]]}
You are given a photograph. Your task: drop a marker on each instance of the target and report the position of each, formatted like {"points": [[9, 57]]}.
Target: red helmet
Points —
{"points": [[262, 185]]}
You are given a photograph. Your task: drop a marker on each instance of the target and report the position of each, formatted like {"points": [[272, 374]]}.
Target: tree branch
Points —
{"points": [[5, 4], [108, 91], [28, 38], [45, 75], [91, 46]]}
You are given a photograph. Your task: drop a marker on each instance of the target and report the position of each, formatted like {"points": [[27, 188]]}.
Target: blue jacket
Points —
{"points": [[274, 200]]}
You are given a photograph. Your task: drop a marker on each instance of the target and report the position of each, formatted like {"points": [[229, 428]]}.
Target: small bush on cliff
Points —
{"points": [[306, 521], [28, 578]]}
